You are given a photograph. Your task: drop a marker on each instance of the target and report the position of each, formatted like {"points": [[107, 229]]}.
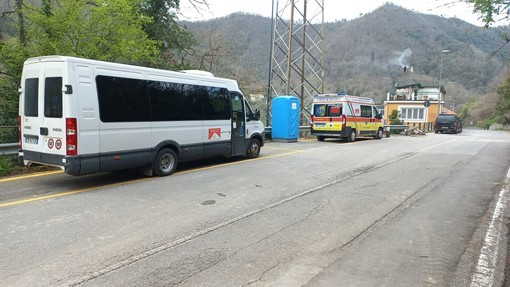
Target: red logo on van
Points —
{"points": [[215, 134]]}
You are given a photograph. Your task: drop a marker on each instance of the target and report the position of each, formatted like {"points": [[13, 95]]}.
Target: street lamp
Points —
{"points": [[439, 88]]}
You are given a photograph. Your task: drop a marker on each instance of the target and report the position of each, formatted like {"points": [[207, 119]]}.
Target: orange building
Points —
{"points": [[417, 105]]}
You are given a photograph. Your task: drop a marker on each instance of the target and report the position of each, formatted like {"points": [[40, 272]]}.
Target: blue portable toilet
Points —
{"points": [[285, 110]]}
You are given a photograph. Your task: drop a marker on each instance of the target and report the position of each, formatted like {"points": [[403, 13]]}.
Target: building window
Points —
{"points": [[413, 114]]}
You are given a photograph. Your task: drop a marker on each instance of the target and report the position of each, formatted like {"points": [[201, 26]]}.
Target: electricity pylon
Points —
{"points": [[297, 60]]}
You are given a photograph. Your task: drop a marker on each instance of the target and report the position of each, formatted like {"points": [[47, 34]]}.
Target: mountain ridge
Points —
{"points": [[362, 55]]}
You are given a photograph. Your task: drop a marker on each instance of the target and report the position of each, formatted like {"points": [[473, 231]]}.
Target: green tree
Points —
{"points": [[483, 111], [394, 118], [503, 106], [164, 28], [491, 11], [102, 29]]}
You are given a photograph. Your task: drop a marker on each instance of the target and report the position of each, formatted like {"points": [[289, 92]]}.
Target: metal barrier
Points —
{"points": [[12, 148], [9, 148], [396, 127], [302, 130]]}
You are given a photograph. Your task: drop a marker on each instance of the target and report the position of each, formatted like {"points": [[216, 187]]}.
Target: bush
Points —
{"points": [[394, 118], [9, 135], [8, 165]]}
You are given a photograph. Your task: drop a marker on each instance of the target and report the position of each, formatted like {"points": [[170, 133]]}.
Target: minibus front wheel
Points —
{"points": [[253, 149], [165, 162]]}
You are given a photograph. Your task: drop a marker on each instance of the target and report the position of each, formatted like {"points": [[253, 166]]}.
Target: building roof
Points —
{"points": [[448, 111], [413, 85]]}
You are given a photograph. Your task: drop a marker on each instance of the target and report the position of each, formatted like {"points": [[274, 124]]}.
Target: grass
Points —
{"points": [[9, 166]]}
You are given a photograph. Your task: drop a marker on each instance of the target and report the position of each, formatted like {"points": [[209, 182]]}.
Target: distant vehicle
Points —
{"points": [[88, 116], [346, 117], [446, 123]]}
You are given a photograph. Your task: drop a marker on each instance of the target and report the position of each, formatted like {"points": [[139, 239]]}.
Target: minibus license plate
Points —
{"points": [[31, 140], [320, 125]]}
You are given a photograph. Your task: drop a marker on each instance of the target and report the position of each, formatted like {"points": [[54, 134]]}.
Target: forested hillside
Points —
{"points": [[366, 56]]}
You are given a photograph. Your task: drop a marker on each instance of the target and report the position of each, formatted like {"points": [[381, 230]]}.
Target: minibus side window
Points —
{"points": [[192, 104], [53, 97], [249, 113], [122, 99], [31, 92], [168, 103], [216, 104]]}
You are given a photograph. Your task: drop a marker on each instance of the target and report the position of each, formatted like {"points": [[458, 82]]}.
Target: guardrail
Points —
{"points": [[12, 148], [396, 127], [386, 127], [9, 148], [301, 129]]}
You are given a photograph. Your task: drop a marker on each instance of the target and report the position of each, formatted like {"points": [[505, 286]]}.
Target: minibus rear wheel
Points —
{"points": [[165, 162]]}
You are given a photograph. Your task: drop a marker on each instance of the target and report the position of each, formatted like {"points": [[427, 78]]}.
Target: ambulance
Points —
{"points": [[346, 117]]}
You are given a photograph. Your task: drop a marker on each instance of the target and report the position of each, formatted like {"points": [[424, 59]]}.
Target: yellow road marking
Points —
{"points": [[281, 148], [125, 182], [30, 175], [60, 194]]}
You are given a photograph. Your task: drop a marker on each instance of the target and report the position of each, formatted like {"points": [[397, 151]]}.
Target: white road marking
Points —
{"points": [[484, 274]]}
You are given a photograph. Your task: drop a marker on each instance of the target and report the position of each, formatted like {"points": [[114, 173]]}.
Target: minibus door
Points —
{"points": [[238, 125], [53, 129], [43, 123]]}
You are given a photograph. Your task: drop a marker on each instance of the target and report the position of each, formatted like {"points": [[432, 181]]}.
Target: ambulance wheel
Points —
{"points": [[352, 136], [320, 138], [253, 149], [165, 162], [379, 134]]}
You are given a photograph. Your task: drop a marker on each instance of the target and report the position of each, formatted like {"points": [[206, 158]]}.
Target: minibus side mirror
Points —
{"points": [[256, 116]]}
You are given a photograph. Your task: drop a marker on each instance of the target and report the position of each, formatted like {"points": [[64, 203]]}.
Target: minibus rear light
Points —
{"points": [[71, 136]]}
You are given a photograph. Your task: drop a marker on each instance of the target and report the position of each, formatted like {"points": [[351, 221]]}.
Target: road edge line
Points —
{"points": [[485, 268]]}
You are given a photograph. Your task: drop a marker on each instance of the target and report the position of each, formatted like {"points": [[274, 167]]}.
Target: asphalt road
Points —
{"points": [[401, 211]]}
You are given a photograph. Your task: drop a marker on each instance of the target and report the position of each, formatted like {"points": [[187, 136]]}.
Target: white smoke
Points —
{"points": [[401, 58]]}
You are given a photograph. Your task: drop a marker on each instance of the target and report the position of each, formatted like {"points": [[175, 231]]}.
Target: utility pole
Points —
{"points": [[439, 88]]}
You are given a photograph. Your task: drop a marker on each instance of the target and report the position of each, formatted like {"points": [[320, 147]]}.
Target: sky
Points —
{"points": [[334, 10]]}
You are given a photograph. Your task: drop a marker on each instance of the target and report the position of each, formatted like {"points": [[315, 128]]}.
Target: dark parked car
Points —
{"points": [[448, 123]]}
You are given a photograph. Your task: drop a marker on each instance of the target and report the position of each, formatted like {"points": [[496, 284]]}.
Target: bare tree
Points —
{"points": [[6, 9], [21, 22], [199, 4]]}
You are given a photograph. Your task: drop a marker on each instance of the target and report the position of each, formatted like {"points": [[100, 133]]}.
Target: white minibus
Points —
{"points": [[87, 116]]}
